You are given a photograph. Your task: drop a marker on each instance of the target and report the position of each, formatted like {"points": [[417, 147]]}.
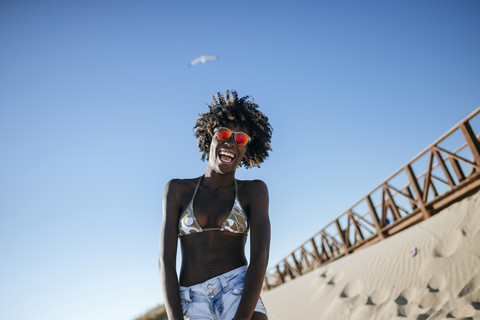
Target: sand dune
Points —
{"points": [[429, 271]]}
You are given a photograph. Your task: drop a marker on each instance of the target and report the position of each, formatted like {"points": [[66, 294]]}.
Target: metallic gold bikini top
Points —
{"points": [[236, 221]]}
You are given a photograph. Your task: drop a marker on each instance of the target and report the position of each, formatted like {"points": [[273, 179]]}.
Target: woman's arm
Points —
{"points": [[259, 248], [168, 250]]}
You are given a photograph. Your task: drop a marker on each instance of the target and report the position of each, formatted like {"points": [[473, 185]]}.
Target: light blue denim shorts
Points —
{"points": [[216, 298]]}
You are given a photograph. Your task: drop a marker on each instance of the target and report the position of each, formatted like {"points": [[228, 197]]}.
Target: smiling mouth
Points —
{"points": [[226, 156]]}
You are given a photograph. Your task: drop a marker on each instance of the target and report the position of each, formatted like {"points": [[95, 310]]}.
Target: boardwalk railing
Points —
{"points": [[451, 171]]}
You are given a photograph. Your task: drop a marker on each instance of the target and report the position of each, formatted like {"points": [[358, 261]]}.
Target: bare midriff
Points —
{"points": [[211, 253]]}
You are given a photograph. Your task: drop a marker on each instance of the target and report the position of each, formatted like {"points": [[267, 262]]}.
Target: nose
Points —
{"points": [[231, 140]]}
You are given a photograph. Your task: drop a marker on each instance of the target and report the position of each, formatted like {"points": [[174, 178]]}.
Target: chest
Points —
{"points": [[212, 208]]}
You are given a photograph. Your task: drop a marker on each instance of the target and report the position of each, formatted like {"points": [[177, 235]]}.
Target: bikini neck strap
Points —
{"points": [[197, 186], [236, 189]]}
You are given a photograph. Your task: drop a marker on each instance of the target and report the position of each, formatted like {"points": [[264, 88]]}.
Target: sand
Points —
{"points": [[388, 281]]}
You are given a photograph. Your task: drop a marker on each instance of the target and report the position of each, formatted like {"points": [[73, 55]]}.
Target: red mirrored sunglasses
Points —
{"points": [[223, 134]]}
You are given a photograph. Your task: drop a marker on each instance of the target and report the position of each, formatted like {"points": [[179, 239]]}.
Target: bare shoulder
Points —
{"points": [[252, 190], [180, 184], [178, 189], [253, 185]]}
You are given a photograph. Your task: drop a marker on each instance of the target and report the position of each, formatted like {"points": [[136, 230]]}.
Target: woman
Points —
{"points": [[212, 214]]}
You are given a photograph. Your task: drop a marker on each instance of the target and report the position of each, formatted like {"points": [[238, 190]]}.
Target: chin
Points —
{"points": [[227, 167]]}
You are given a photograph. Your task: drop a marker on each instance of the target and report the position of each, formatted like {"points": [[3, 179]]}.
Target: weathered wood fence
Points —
{"points": [[451, 171]]}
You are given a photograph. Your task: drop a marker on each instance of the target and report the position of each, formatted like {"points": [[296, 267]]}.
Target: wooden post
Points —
{"points": [[373, 214], [472, 142], [418, 192]]}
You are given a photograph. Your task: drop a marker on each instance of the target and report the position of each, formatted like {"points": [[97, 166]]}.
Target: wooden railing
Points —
{"points": [[451, 171]]}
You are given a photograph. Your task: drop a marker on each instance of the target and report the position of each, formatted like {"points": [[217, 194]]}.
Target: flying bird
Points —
{"points": [[202, 59]]}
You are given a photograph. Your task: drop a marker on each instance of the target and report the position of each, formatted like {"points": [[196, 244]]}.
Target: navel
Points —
{"points": [[209, 269]]}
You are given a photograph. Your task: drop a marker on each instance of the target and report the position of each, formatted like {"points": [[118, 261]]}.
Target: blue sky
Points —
{"points": [[97, 105]]}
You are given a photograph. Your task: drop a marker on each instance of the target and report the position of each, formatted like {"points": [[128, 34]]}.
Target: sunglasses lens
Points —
{"points": [[241, 139], [223, 134]]}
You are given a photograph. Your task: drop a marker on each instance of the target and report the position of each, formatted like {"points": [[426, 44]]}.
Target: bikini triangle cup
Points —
{"points": [[236, 222]]}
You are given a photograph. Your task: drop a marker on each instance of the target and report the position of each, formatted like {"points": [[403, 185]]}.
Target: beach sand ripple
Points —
{"points": [[437, 283], [406, 296], [385, 282], [449, 244], [471, 286], [463, 311], [378, 296], [336, 278], [352, 288]]}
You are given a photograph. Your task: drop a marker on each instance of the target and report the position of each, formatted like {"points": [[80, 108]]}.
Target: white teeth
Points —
{"points": [[226, 153]]}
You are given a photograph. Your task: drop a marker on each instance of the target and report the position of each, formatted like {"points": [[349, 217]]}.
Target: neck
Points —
{"points": [[216, 180]]}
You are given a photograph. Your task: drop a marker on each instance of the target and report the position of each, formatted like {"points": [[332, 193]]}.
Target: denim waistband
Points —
{"points": [[222, 281]]}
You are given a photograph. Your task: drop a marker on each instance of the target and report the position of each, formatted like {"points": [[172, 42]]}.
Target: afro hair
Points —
{"points": [[243, 113]]}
